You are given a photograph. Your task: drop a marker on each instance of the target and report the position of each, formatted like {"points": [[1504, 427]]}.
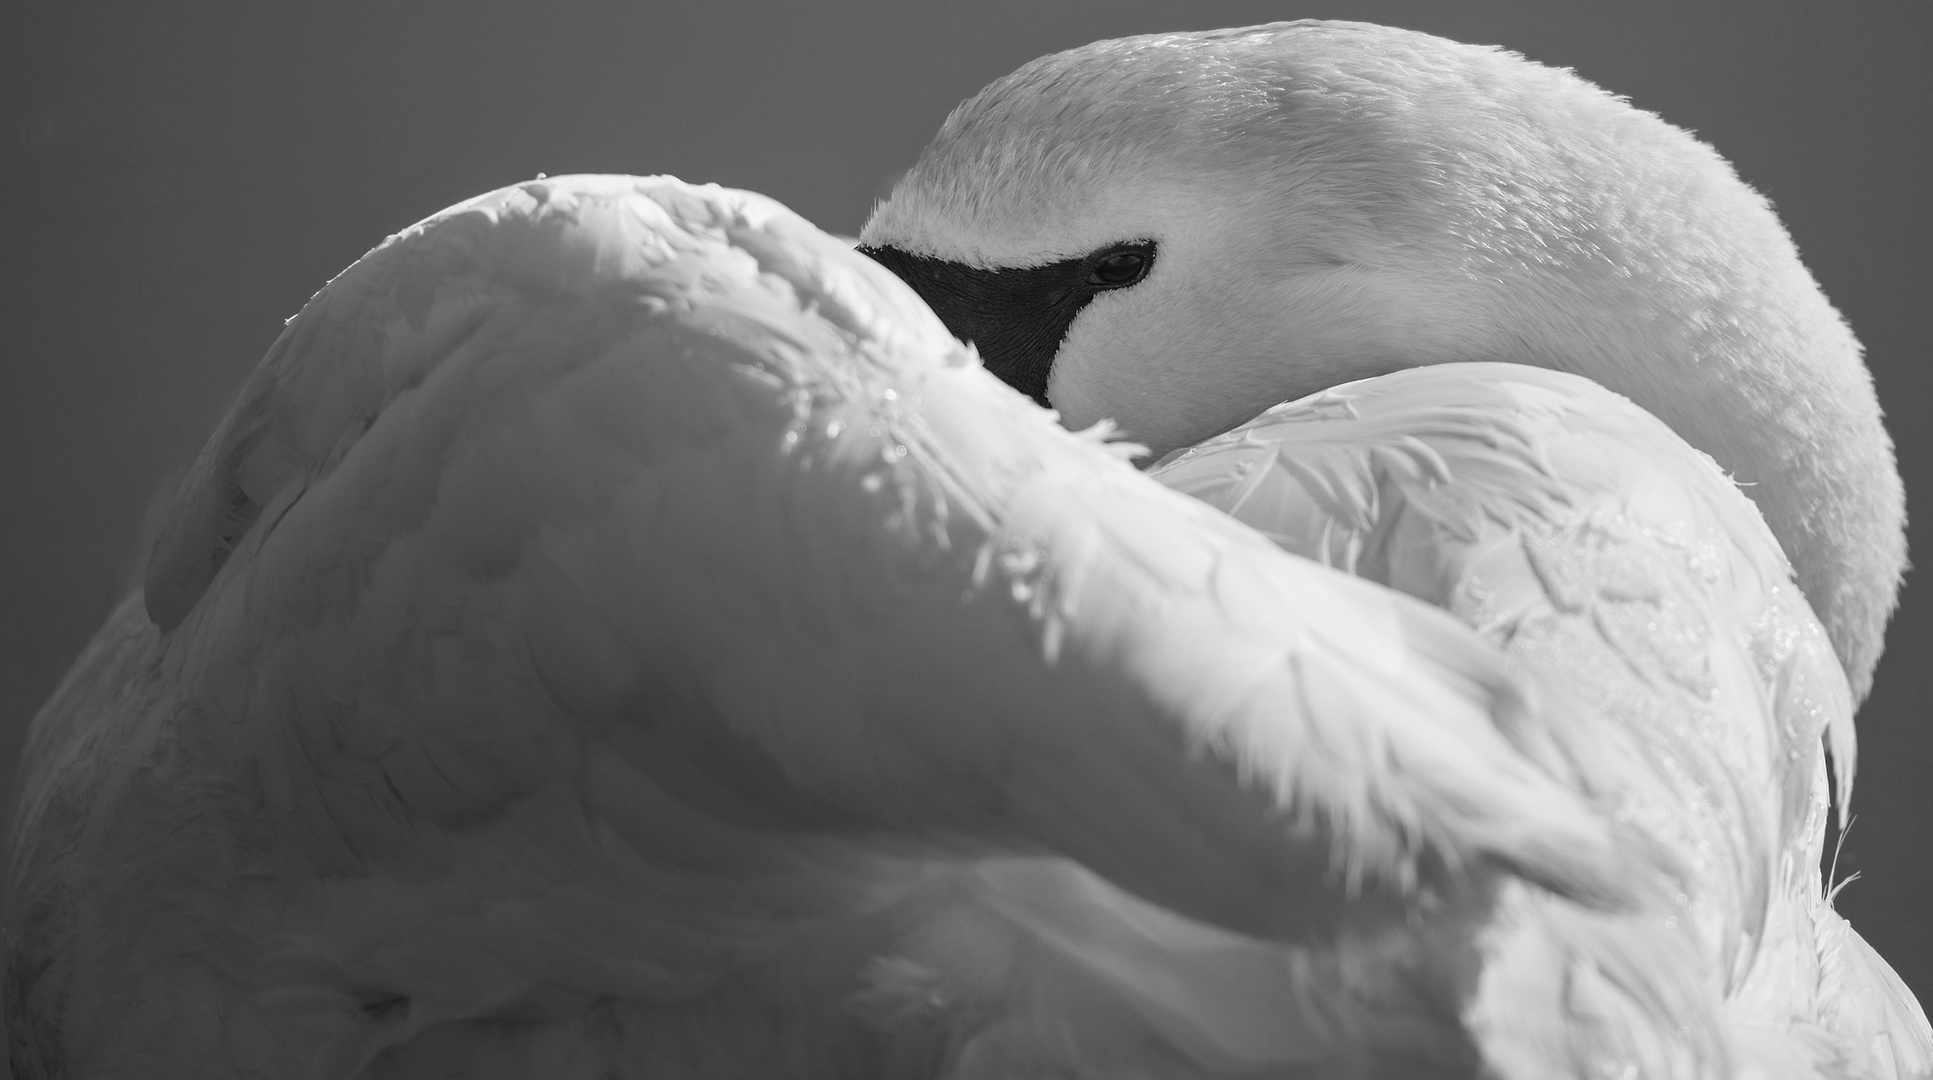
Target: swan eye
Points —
{"points": [[1121, 267]]}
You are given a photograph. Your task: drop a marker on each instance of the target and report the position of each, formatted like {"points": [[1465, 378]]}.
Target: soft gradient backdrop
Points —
{"points": [[180, 177]]}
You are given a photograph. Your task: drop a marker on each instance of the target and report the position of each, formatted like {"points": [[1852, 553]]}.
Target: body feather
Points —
{"points": [[1694, 692]]}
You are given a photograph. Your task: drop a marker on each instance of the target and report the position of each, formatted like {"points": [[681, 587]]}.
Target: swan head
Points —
{"points": [[1177, 231]]}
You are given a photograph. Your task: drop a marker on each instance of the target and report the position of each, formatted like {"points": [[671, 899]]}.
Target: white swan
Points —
{"points": [[1175, 231], [618, 632]]}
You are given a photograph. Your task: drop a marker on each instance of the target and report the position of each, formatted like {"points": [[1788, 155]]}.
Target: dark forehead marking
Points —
{"points": [[1015, 316]]}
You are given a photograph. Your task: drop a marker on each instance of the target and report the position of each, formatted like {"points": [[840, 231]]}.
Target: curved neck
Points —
{"points": [[1762, 374]]}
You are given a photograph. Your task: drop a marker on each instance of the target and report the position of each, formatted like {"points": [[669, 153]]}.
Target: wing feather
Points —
{"points": [[599, 515]]}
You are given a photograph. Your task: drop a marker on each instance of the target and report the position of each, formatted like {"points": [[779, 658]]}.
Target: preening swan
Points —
{"points": [[1173, 232], [619, 632]]}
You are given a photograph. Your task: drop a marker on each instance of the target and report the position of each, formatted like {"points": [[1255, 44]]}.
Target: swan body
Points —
{"points": [[1176, 232], [1693, 684], [619, 632]]}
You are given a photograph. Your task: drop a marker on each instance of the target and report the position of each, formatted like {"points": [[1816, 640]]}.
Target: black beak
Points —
{"points": [[1017, 316]]}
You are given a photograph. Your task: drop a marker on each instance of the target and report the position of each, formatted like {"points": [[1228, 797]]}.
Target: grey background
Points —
{"points": [[179, 177]]}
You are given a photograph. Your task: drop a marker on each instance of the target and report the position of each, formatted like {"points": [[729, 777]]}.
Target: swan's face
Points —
{"points": [[1122, 244], [1179, 308], [1136, 305]]}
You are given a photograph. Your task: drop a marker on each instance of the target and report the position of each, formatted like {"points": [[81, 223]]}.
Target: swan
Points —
{"points": [[619, 631], [1175, 232]]}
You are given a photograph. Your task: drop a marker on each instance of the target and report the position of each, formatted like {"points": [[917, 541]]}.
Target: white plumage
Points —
{"points": [[619, 632]]}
